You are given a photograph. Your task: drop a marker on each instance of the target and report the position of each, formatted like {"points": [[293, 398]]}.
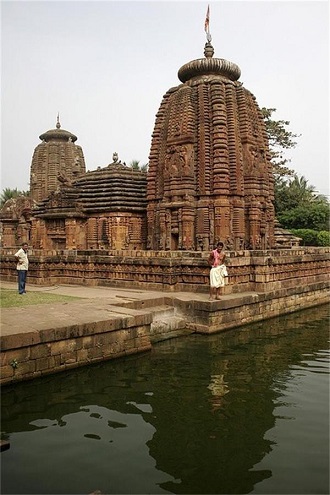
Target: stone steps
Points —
{"points": [[167, 323]]}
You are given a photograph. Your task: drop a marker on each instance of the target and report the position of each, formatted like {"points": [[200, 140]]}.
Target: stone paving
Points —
{"points": [[95, 304]]}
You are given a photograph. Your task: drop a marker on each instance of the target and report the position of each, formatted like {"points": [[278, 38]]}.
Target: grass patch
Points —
{"points": [[11, 299]]}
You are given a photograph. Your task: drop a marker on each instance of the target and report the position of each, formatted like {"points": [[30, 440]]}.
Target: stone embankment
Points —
{"points": [[108, 323]]}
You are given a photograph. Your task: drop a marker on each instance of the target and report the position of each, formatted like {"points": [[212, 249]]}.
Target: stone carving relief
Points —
{"points": [[255, 160], [179, 161]]}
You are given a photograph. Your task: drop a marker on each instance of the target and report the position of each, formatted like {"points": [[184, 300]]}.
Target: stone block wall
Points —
{"points": [[173, 270], [30, 355], [212, 317]]}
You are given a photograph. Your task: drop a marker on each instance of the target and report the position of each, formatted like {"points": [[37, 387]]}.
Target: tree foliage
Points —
{"points": [[297, 205], [294, 192], [8, 193], [311, 237], [323, 238], [306, 216], [279, 139], [135, 164]]}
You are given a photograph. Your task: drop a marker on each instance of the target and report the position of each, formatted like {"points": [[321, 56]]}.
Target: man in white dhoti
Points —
{"points": [[218, 272]]}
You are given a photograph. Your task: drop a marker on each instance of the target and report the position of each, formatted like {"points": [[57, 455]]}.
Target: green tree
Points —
{"points": [[279, 139], [293, 192], [311, 237], [308, 236], [323, 238], [307, 215], [8, 193], [297, 205]]}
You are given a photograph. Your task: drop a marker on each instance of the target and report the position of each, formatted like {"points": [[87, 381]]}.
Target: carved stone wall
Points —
{"points": [[174, 271], [210, 174]]}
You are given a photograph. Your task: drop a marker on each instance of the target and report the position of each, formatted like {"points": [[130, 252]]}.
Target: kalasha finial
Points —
{"points": [[58, 125], [208, 50]]}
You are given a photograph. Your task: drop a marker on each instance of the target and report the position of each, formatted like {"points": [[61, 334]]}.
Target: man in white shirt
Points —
{"points": [[22, 267]]}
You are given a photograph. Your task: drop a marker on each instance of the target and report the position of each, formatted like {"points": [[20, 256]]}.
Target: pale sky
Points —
{"points": [[105, 66]]}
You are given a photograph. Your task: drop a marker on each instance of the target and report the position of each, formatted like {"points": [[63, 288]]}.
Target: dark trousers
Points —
{"points": [[21, 280]]}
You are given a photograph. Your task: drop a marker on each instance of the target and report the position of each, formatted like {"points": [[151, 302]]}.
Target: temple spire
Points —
{"points": [[208, 49], [58, 125]]}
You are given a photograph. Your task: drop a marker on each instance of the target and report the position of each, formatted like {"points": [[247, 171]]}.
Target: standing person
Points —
{"points": [[218, 271], [22, 267]]}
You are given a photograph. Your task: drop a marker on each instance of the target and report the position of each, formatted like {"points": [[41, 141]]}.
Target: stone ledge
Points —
{"points": [[93, 321], [225, 316]]}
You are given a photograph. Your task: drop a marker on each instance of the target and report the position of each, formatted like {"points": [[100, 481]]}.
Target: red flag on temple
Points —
{"points": [[207, 20]]}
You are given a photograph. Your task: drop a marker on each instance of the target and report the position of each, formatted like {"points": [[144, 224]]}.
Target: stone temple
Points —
{"points": [[209, 178], [56, 158]]}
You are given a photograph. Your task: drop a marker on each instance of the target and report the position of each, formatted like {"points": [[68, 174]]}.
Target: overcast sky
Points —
{"points": [[105, 66]]}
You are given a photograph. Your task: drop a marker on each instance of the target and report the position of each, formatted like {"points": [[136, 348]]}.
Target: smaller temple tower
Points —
{"points": [[57, 158]]}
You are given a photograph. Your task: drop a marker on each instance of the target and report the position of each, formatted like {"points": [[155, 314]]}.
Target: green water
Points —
{"points": [[246, 411]]}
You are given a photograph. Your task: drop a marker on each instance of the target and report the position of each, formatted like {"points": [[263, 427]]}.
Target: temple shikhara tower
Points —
{"points": [[210, 176], [57, 157]]}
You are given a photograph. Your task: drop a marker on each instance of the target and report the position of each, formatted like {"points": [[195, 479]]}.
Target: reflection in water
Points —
{"points": [[218, 388], [238, 412]]}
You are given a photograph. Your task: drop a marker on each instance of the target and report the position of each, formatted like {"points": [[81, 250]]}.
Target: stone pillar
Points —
{"points": [[188, 231], [70, 233], [92, 233]]}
